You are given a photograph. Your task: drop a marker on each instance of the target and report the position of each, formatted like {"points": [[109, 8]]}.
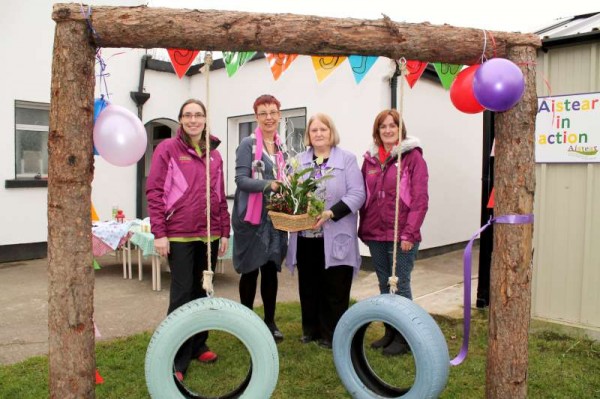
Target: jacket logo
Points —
{"points": [[372, 171], [185, 158]]}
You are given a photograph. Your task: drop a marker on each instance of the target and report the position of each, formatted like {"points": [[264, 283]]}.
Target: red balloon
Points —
{"points": [[461, 91]]}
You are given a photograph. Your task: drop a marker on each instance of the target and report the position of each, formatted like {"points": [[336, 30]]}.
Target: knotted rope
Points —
{"points": [[393, 280], [207, 278]]}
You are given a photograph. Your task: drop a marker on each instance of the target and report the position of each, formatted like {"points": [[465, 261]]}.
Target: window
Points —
{"points": [[31, 140]]}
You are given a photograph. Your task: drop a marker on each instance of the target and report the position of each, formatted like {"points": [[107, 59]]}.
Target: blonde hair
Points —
{"points": [[334, 138]]}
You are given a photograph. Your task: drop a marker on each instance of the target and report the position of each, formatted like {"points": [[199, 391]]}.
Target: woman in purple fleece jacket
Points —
{"points": [[176, 192], [376, 228]]}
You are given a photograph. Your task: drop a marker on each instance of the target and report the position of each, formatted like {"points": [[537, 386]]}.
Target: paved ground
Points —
{"points": [[125, 307]]}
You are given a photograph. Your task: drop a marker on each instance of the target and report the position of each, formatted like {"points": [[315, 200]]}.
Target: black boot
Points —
{"points": [[387, 338], [399, 346]]}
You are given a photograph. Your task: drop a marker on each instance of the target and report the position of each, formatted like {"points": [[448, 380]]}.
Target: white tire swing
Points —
{"points": [[423, 335], [207, 314]]}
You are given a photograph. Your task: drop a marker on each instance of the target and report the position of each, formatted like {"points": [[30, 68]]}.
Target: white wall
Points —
{"points": [[25, 72], [451, 140]]}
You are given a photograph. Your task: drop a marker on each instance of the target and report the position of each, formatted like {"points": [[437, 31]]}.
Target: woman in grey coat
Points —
{"points": [[258, 246]]}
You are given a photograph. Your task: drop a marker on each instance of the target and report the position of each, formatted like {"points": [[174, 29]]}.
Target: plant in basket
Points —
{"points": [[300, 199]]}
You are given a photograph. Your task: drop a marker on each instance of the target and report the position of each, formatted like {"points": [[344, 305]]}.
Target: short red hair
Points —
{"points": [[266, 99]]}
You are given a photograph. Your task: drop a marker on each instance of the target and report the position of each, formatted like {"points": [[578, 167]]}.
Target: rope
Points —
{"points": [[208, 274], [393, 280]]}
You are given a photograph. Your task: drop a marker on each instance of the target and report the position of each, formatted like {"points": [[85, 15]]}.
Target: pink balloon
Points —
{"points": [[119, 136]]}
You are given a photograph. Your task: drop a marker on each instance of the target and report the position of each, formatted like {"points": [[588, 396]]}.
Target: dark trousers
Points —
{"points": [[268, 289], [187, 261], [324, 293]]}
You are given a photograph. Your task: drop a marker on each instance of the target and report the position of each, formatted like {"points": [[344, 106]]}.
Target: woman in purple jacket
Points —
{"points": [[327, 257], [377, 219], [176, 192]]}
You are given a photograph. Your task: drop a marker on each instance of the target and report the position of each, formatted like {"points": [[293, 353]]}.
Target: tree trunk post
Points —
{"points": [[70, 271], [510, 293]]}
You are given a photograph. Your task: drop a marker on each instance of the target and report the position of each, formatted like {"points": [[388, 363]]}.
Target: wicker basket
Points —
{"points": [[292, 223]]}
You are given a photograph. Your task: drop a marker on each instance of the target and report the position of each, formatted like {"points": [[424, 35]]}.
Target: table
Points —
{"points": [[114, 236], [145, 247]]}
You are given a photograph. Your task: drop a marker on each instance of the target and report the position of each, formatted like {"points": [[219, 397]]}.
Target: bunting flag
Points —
{"points": [[325, 65], [414, 70], [95, 217], [280, 62], [181, 59], [360, 65], [235, 59], [447, 73]]}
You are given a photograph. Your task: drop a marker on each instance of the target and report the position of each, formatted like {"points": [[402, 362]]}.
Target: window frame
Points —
{"points": [[24, 180]]}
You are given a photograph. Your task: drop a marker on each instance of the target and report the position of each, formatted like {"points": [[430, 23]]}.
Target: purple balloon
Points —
{"points": [[119, 136], [498, 84]]}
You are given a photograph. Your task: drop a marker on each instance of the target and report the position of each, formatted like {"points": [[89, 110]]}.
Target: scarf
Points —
{"points": [[255, 200]]}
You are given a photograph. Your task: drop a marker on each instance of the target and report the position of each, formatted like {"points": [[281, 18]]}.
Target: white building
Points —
{"points": [[451, 140]]}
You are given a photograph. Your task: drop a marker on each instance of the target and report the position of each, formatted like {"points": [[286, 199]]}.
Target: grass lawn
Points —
{"points": [[559, 366]]}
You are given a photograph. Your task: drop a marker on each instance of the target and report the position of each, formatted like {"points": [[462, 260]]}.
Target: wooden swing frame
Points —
{"points": [[71, 162]]}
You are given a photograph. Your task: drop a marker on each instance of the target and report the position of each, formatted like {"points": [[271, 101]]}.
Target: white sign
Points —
{"points": [[567, 129]]}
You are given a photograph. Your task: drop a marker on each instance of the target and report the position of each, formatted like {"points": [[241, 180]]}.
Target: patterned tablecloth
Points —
{"points": [[108, 236], [145, 241]]}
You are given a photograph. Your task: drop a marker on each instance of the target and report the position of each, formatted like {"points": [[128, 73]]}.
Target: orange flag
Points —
{"points": [[279, 62], [95, 217]]}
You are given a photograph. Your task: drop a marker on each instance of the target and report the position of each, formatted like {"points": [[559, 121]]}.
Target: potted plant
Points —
{"points": [[300, 198]]}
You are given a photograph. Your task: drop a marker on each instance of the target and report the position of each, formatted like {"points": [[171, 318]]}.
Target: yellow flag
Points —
{"points": [[325, 65]]}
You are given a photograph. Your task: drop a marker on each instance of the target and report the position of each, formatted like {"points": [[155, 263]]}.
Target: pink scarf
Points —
{"points": [[255, 200]]}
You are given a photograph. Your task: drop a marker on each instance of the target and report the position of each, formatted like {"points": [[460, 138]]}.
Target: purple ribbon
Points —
{"points": [[506, 219]]}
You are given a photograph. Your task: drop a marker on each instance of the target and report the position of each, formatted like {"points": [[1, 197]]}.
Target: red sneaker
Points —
{"points": [[208, 357], [179, 376]]}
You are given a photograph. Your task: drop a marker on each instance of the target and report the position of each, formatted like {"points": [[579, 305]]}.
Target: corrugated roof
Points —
{"points": [[571, 26]]}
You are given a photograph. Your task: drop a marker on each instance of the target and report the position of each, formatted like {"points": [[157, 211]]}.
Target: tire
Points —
{"points": [[212, 314], [426, 341]]}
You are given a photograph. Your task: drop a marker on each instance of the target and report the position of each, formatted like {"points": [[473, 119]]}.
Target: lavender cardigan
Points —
{"points": [[341, 240]]}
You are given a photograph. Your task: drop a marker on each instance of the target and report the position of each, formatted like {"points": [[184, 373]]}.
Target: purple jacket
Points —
{"points": [[377, 214], [176, 191], [341, 241]]}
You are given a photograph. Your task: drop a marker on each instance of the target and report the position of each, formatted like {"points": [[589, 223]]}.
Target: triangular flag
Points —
{"points": [[95, 217], [491, 201], [235, 59], [99, 379], [96, 265], [414, 70], [360, 65], [279, 62], [181, 59], [325, 65], [447, 73]]}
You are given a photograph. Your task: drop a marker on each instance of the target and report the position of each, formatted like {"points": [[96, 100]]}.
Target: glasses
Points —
{"points": [[272, 114], [190, 116]]}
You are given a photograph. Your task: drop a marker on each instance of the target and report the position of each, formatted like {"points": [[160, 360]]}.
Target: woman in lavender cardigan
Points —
{"points": [[327, 257]]}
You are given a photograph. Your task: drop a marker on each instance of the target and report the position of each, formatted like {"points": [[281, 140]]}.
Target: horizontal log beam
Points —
{"points": [[149, 27]]}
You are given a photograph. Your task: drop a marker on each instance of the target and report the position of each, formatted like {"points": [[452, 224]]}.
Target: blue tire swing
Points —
{"points": [[207, 314], [421, 332]]}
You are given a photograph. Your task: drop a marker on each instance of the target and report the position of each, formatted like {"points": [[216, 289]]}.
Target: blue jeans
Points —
{"points": [[382, 253]]}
